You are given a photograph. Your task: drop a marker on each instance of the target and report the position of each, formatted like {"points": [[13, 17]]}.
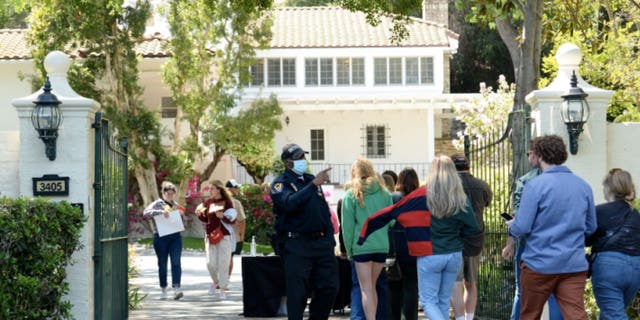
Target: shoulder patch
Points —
{"points": [[277, 187]]}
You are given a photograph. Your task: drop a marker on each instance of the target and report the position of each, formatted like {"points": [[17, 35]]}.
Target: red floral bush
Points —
{"points": [[258, 209]]}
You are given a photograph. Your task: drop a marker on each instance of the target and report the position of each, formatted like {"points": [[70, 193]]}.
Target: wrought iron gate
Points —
{"points": [[111, 223], [496, 158]]}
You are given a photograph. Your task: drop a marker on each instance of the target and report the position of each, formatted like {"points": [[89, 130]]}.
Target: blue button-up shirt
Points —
{"points": [[556, 212]]}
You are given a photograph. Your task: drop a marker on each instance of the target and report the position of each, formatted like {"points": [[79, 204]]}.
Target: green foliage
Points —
{"points": [[307, 3], [258, 209], [251, 139], [134, 297], [206, 81], [37, 239]]}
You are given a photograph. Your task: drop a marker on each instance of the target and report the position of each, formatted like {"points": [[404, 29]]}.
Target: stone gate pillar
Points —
{"points": [[590, 163], [75, 158]]}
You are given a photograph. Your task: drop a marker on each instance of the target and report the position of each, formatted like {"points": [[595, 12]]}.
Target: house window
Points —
{"points": [[375, 141], [317, 144], [257, 73], [288, 71], [273, 72], [380, 71], [168, 108], [395, 71], [326, 71], [311, 72], [412, 71], [280, 72], [426, 70], [357, 71], [416, 71]]}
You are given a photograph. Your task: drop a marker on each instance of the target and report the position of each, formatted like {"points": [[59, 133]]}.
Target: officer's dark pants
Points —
{"points": [[310, 267]]}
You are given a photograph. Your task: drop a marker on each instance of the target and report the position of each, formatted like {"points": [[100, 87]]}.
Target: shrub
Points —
{"points": [[37, 239], [258, 209]]}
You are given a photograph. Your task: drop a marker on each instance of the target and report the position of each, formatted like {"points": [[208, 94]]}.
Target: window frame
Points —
{"points": [[316, 152]]}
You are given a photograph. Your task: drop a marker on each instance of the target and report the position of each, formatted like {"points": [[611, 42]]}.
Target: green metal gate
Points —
{"points": [[111, 223], [496, 158]]}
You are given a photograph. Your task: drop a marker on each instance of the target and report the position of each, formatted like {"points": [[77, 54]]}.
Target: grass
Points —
{"points": [[197, 244]]}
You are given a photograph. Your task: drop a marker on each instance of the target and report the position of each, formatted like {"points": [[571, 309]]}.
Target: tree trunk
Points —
{"points": [[509, 35]]}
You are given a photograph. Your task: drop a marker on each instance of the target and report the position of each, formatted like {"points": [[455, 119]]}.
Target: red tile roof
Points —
{"points": [[293, 27], [335, 27], [14, 46]]}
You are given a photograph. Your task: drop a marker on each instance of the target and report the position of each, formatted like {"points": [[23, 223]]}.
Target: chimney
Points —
{"points": [[436, 11]]}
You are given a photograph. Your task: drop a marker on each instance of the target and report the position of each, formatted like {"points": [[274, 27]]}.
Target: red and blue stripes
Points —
{"points": [[412, 213]]}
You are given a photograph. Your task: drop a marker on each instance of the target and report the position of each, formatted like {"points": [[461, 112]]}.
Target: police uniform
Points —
{"points": [[303, 222]]}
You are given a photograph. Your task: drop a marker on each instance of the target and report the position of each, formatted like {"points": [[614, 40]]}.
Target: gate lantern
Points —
{"points": [[574, 112], [46, 119]]}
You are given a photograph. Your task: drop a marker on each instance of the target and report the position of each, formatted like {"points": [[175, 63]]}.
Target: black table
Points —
{"points": [[263, 285]]}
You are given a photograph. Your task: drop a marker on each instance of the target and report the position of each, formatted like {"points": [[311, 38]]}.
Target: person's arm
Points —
{"points": [[243, 225], [523, 222], [509, 250], [153, 209], [348, 223], [591, 221], [287, 199], [470, 222]]}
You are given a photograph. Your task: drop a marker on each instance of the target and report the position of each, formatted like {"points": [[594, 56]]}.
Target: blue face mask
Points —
{"points": [[299, 166]]}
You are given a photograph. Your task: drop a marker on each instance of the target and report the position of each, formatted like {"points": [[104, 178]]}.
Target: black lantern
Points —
{"points": [[46, 119], [574, 112]]}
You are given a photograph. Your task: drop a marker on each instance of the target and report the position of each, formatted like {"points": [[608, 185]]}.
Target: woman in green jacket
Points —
{"points": [[366, 196]]}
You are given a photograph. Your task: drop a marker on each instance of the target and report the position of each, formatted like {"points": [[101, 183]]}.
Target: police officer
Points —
{"points": [[303, 222]]}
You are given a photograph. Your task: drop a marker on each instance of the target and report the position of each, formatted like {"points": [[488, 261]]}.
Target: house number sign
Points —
{"points": [[51, 185]]}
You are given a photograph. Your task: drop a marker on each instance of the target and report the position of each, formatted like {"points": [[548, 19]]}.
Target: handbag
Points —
{"points": [[215, 236], [392, 266]]}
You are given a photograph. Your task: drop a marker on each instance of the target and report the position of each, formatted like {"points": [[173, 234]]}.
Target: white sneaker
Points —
{"points": [[212, 289], [223, 294], [177, 294], [164, 295]]}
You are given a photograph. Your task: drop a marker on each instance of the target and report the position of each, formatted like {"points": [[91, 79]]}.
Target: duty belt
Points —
{"points": [[307, 235]]}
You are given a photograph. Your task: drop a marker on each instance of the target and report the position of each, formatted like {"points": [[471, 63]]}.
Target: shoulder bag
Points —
{"points": [[392, 266], [216, 235]]}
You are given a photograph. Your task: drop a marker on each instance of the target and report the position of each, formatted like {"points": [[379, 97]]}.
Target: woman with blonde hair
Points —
{"points": [[218, 214], [367, 194], [436, 218], [616, 247]]}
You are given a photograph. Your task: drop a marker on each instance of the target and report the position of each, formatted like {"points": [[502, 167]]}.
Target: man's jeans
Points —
{"points": [[357, 312], [436, 275], [615, 283], [554, 309], [165, 247]]}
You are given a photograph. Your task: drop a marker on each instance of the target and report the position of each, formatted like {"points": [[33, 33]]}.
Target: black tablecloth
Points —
{"points": [[263, 285]]}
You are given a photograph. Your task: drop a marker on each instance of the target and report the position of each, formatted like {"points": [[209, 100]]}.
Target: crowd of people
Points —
{"points": [[433, 234]]}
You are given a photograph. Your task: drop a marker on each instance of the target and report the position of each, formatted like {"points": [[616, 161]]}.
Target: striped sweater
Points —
{"points": [[425, 235]]}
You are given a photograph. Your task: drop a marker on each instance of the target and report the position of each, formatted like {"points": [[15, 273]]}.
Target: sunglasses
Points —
{"points": [[168, 189], [614, 171]]}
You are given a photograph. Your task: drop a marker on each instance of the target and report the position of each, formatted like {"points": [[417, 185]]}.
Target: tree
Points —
{"points": [[213, 46], [104, 34]]}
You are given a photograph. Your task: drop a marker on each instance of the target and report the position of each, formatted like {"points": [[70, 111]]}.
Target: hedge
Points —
{"points": [[37, 239]]}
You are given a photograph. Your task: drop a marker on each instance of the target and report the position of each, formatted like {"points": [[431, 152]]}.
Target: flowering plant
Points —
{"points": [[258, 209]]}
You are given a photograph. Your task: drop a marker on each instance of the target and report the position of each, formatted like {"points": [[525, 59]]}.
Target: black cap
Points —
{"points": [[460, 161], [292, 151], [232, 183]]}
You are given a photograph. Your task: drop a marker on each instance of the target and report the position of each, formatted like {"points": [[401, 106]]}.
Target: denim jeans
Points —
{"points": [[165, 247], [436, 276], [615, 283], [554, 309], [357, 312]]}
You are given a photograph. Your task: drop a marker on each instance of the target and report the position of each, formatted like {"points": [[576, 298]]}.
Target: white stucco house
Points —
{"points": [[345, 88]]}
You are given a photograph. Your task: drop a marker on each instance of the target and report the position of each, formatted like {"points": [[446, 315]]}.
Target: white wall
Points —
{"points": [[622, 151], [12, 87]]}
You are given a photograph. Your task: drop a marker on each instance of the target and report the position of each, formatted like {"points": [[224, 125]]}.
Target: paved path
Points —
{"points": [[196, 303]]}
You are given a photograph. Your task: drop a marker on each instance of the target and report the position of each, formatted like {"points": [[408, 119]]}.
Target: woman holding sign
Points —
{"points": [[165, 216], [218, 214]]}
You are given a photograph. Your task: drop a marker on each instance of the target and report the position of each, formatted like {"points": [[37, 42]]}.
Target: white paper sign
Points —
{"points": [[168, 225]]}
